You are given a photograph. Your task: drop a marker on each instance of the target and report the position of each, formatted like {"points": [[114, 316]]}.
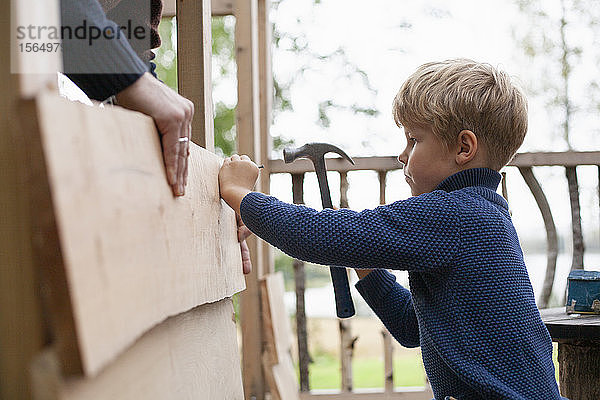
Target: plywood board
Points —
{"points": [[128, 254], [281, 378], [190, 356], [277, 361], [278, 331]]}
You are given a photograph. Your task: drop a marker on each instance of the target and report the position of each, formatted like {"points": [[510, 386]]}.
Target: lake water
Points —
{"points": [[320, 301]]}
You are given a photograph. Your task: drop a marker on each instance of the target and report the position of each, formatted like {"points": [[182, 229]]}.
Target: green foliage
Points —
{"points": [[166, 56]]}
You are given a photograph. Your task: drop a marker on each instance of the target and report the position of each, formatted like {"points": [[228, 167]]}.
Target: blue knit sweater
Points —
{"points": [[470, 307]]}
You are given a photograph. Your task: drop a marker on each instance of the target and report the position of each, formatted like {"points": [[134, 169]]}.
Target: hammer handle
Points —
{"points": [[343, 301]]}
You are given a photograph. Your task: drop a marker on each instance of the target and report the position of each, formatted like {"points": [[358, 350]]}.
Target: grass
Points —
{"points": [[324, 372]]}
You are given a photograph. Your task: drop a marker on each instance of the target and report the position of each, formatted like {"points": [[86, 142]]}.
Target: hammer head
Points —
{"points": [[313, 151]]}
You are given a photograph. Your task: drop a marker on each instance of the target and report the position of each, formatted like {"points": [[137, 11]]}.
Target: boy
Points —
{"points": [[471, 306]]}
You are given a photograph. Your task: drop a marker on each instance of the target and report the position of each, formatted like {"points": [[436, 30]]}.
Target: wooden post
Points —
{"points": [[194, 57], [248, 137], [21, 323], [579, 369], [346, 339], [388, 357], [265, 111], [300, 280]]}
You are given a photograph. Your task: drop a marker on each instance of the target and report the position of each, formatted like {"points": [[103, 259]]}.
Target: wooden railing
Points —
{"points": [[525, 162]]}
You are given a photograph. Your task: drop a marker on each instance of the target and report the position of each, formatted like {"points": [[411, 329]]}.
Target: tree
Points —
{"points": [[551, 44], [224, 74]]}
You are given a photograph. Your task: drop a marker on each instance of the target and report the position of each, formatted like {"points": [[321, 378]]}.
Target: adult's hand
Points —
{"points": [[172, 115]]}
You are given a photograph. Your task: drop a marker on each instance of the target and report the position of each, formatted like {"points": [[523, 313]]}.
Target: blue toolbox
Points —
{"points": [[583, 292]]}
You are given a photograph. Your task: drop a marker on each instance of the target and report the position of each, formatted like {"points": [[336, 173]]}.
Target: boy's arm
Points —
{"points": [[393, 305], [421, 233]]}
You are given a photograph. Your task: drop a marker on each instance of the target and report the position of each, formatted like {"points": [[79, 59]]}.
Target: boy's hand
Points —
{"points": [[237, 178]]}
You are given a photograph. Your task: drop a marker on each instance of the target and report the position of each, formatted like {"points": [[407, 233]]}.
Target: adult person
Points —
{"points": [[108, 66]]}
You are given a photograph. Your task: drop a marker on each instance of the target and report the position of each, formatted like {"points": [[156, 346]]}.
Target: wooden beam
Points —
{"points": [[248, 139], [389, 163], [277, 362], [193, 355], [265, 109], [21, 325], [219, 8], [194, 58], [125, 254]]}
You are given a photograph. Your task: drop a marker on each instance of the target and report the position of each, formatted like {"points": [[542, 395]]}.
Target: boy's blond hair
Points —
{"points": [[454, 95]]}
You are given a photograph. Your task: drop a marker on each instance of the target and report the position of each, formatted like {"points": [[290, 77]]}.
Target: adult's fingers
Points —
{"points": [[182, 159], [246, 262], [243, 233], [170, 141]]}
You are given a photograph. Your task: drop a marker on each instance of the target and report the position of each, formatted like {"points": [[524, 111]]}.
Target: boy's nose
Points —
{"points": [[402, 161]]}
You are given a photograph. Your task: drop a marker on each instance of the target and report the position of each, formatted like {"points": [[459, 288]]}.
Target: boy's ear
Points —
{"points": [[467, 147]]}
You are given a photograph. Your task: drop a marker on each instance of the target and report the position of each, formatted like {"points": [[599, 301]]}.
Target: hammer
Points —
{"points": [[315, 152]]}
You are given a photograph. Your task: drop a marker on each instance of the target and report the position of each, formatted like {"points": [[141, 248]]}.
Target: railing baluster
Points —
{"points": [[578, 246], [388, 353], [300, 280], [388, 350], [382, 175], [346, 339], [551, 236]]}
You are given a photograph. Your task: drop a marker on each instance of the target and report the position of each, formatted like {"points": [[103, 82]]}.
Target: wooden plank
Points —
{"points": [[21, 325], [563, 326], [278, 331], [248, 140], [566, 158], [390, 163], [193, 355], [265, 109], [130, 254], [218, 8], [194, 58], [36, 69], [281, 378], [277, 362]]}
